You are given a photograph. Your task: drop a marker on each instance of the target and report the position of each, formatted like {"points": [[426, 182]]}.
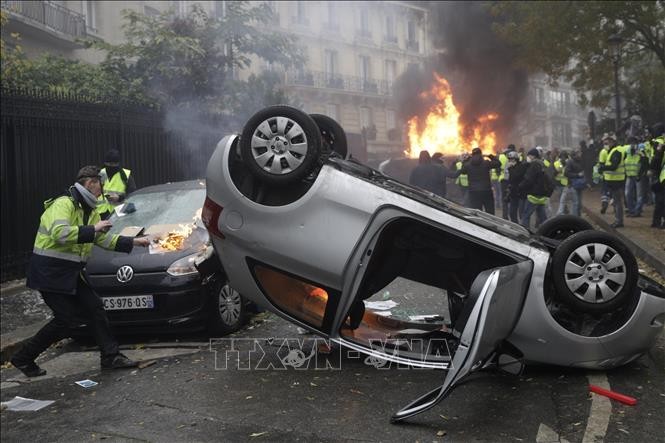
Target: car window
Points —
{"points": [[161, 208]]}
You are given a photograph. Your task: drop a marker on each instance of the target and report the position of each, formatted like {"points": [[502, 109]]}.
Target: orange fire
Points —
{"points": [[175, 239], [443, 132]]}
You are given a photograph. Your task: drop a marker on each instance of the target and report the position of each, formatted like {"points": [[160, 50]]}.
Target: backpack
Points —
{"points": [[549, 183]]}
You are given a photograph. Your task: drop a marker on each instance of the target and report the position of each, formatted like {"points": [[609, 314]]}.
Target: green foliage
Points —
{"points": [[188, 61], [569, 39]]}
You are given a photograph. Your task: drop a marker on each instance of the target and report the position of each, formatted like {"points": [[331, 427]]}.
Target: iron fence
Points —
{"points": [[47, 137]]}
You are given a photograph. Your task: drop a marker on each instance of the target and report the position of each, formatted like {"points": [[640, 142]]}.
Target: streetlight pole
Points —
{"points": [[615, 51]]}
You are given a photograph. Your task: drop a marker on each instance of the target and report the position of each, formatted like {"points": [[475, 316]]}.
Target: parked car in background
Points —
{"points": [[175, 284], [326, 242]]}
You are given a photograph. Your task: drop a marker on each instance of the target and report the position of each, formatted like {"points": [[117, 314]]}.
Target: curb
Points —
{"points": [[640, 252], [12, 287]]}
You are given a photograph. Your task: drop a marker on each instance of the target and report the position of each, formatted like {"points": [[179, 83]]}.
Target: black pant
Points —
{"points": [[659, 208], [483, 200], [70, 311]]}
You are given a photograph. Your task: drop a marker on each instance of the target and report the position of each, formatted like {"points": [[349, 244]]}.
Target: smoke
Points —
{"points": [[478, 65]]}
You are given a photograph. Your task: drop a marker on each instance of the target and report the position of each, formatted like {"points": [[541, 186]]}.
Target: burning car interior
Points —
{"points": [[445, 265]]}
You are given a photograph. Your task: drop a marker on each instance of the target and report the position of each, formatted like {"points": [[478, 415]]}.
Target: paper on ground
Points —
{"points": [[380, 305], [26, 404], [118, 210], [86, 383]]}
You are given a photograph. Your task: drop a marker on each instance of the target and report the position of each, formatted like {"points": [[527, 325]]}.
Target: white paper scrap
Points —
{"points": [[384, 313], [86, 383], [380, 305], [26, 404], [118, 210]]}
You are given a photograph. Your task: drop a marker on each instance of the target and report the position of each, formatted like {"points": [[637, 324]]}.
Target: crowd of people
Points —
{"points": [[630, 174]]}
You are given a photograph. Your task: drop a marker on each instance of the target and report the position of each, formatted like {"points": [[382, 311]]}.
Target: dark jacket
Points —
{"points": [[478, 169], [572, 170], [515, 176], [431, 177], [534, 180]]}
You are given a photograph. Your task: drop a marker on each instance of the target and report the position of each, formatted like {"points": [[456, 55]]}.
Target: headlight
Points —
{"points": [[187, 265], [184, 266]]}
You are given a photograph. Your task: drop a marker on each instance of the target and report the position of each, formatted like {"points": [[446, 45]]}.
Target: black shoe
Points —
{"points": [[29, 369], [603, 208], [617, 225], [118, 361]]}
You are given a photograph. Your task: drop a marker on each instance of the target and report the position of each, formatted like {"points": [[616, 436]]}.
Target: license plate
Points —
{"points": [[128, 302]]}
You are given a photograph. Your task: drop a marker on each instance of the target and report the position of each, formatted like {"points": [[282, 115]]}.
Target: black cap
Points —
{"points": [[112, 156], [476, 151]]}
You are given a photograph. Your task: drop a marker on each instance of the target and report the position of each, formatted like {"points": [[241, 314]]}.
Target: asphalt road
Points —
{"points": [[188, 395]]}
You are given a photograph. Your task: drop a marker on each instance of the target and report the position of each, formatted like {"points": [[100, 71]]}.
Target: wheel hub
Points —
{"points": [[279, 145], [595, 272]]}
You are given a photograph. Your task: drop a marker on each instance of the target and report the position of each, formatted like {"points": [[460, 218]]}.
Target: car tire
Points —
{"points": [[563, 226], [594, 272], [280, 145], [229, 309], [332, 134]]}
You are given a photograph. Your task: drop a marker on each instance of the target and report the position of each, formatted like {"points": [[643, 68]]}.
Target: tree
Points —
{"points": [[569, 40], [189, 61]]}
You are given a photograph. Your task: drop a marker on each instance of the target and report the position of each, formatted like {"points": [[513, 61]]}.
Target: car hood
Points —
{"points": [[105, 262]]}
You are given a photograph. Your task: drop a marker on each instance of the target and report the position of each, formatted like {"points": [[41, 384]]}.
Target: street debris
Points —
{"points": [[441, 433], [145, 364], [258, 434], [380, 305], [630, 401], [86, 383], [25, 404]]}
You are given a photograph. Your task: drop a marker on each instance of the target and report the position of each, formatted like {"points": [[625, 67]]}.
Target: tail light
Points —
{"points": [[210, 217]]}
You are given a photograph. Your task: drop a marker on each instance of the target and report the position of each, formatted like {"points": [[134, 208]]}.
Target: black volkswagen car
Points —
{"points": [[175, 284]]}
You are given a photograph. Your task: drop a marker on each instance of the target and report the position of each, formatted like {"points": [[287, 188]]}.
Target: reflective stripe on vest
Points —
{"points": [[463, 179], [536, 200], [619, 174], [559, 173]]}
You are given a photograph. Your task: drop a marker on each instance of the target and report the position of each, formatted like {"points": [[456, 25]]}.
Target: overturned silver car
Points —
{"points": [[406, 276]]}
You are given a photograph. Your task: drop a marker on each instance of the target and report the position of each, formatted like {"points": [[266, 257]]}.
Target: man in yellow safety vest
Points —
{"points": [[614, 174], [117, 182]]}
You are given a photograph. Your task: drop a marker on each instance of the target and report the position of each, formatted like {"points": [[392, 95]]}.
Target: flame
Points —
{"points": [[175, 239], [443, 132]]}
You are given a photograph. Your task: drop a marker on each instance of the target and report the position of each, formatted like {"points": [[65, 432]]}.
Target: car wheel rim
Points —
{"points": [[279, 145], [230, 304], [595, 273]]}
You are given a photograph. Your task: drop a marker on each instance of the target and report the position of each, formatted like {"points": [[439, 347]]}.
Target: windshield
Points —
{"points": [[171, 207]]}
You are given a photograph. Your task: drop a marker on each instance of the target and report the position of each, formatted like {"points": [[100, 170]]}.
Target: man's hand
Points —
{"points": [[113, 197], [141, 241], [103, 226]]}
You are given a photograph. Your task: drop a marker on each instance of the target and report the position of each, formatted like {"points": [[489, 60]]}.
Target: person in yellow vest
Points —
{"points": [[533, 185], [609, 141], [568, 194], [504, 183], [116, 181], [614, 174], [463, 180], [634, 174], [68, 229], [657, 171]]}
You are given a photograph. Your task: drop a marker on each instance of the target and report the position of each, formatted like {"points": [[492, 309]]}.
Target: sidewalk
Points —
{"points": [[647, 243]]}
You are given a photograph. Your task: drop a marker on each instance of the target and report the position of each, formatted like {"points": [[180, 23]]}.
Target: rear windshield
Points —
{"points": [[161, 208]]}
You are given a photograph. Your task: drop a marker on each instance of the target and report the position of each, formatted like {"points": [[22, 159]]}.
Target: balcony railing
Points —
{"points": [[412, 45], [50, 15], [340, 82], [390, 39]]}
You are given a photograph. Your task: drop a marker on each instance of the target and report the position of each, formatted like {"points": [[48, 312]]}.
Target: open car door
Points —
{"points": [[485, 322]]}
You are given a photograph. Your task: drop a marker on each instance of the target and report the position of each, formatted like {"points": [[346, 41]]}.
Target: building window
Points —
{"points": [[90, 15], [390, 29], [301, 16], [364, 22], [330, 62], [332, 23], [560, 102], [390, 119], [391, 72], [561, 135], [366, 117], [182, 7], [364, 65], [412, 36], [539, 96], [332, 111]]}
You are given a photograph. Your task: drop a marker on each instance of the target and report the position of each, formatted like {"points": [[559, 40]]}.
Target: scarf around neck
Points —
{"points": [[88, 197]]}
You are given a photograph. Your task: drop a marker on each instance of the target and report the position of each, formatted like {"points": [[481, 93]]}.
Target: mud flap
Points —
{"points": [[489, 317]]}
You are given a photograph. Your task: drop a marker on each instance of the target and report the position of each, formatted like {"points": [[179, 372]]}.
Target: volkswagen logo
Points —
{"points": [[124, 274]]}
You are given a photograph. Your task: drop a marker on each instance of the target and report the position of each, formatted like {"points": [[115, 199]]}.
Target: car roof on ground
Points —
{"points": [[173, 186]]}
